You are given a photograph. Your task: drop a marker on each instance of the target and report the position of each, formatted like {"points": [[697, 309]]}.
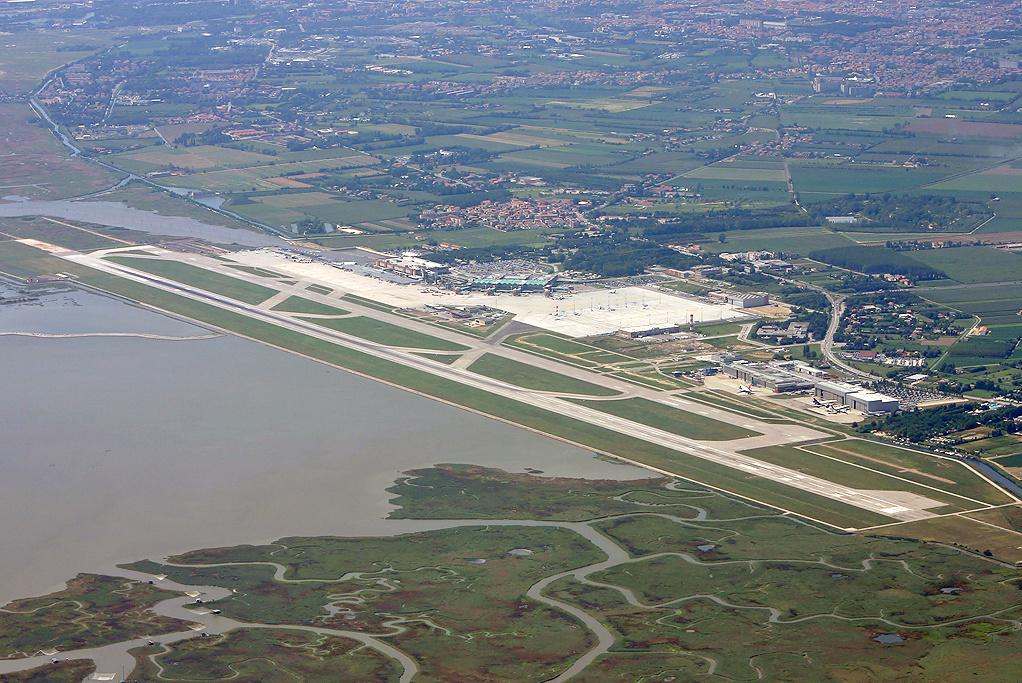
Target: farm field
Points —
{"points": [[972, 265], [36, 166]]}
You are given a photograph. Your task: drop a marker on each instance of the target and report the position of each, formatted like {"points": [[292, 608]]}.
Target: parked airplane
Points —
{"points": [[744, 389]]}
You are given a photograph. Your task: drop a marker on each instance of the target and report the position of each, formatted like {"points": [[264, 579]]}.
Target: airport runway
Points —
{"points": [[898, 505]]}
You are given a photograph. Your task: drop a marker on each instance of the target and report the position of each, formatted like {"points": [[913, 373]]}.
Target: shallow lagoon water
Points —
{"points": [[118, 449], [59, 309], [120, 215]]}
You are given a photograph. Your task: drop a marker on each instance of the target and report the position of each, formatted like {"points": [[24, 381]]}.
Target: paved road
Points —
{"points": [[837, 309], [898, 505]]}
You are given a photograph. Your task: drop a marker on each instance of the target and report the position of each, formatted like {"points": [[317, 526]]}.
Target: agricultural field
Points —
{"points": [[972, 265], [36, 166], [25, 58]]}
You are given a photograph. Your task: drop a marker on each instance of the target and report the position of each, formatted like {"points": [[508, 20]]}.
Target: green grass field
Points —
{"points": [[857, 476], [917, 466], [386, 333], [674, 420], [60, 234], [297, 304], [532, 377], [199, 277]]}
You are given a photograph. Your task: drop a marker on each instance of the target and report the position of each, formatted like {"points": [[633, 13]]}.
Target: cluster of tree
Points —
{"points": [[312, 226], [213, 136], [490, 253], [618, 255], [920, 425], [209, 54], [743, 278], [904, 211], [663, 226], [76, 47], [818, 322], [805, 298], [852, 283], [876, 260], [450, 156], [465, 199]]}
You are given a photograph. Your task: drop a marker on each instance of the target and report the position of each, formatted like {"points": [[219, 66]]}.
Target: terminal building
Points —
{"points": [[775, 377], [855, 397], [795, 376], [514, 283]]}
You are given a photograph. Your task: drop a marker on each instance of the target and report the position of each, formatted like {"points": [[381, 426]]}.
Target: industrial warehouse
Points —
{"points": [[793, 376]]}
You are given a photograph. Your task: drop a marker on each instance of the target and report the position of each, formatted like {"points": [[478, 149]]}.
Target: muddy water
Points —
{"points": [[117, 449]]}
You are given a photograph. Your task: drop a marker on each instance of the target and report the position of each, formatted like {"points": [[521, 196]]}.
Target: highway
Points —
{"points": [[896, 504]]}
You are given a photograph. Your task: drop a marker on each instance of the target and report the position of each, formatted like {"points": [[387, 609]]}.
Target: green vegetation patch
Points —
{"points": [[90, 611], [974, 264], [532, 377], [255, 270], [886, 589], [962, 532], [447, 586], [560, 345], [298, 304], [266, 655], [386, 333], [61, 233], [474, 492], [920, 467], [1014, 460], [670, 419], [198, 277], [853, 476], [876, 260]]}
